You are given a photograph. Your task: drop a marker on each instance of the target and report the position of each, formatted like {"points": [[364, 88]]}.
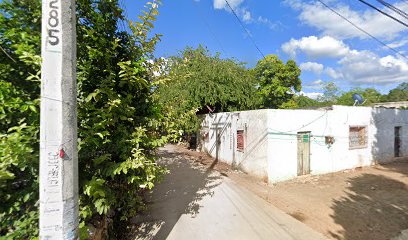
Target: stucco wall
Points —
{"points": [[283, 126], [254, 157], [225, 125], [216, 128], [384, 120], [271, 139]]}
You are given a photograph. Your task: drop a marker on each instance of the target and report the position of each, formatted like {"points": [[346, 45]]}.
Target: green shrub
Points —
{"points": [[117, 119]]}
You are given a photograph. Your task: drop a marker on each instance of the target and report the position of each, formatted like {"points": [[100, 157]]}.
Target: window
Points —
{"points": [[358, 137], [240, 140]]}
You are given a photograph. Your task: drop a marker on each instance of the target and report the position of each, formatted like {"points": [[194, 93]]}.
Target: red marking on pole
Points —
{"points": [[61, 153]]}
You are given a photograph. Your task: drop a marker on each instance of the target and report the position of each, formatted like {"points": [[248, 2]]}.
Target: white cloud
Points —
{"points": [[364, 67], [333, 73], [263, 20], [312, 67], [314, 85], [246, 16], [399, 43], [244, 13], [312, 95], [268, 22], [354, 66], [316, 47], [318, 82], [221, 4], [316, 15]]}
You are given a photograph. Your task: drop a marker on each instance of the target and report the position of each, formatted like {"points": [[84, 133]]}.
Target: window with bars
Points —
{"points": [[240, 140], [357, 137]]}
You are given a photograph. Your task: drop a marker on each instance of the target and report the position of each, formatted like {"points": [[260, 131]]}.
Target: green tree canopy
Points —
{"points": [[330, 93], [19, 117], [277, 82], [201, 82], [117, 119], [370, 96], [306, 102], [400, 93]]}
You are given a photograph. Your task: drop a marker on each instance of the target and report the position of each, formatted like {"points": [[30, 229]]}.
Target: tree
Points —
{"points": [[370, 96], [277, 82], [330, 93], [306, 102], [117, 117], [400, 93], [199, 82], [19, 117]]}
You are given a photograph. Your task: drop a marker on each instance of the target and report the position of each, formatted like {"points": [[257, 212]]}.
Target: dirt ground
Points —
{"points": [[367, 203]]}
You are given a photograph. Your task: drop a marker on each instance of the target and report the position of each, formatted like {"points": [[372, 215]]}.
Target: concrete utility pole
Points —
{"points": [[58, 129]]}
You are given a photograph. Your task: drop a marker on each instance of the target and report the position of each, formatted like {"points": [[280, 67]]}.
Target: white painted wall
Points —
{"points": [[384, 120], [271, 139], [283, 126], [254, 157], [225, 126], [321, 123]]}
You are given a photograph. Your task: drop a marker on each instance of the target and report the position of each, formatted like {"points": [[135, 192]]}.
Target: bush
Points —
{"points": [[117, 119]]}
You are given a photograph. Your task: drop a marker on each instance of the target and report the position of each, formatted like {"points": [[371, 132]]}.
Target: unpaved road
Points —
{"points": [[365, 204], [195, 202]]}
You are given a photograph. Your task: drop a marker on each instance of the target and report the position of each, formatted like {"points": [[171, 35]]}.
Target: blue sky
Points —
{"points": [[326, 47]]}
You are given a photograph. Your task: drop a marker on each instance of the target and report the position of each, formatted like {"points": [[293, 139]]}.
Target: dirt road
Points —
{"points": [[368, 203], [195, 202]]}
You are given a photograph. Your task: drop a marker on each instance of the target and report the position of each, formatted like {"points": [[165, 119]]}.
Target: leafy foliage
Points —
{"points": [[330, 93], [19, 117], [306, 102], [333, 95], [370, 96], [117, 126], [199, 82], [18, 163], [118, 121], [277, 82], [400, 93]]}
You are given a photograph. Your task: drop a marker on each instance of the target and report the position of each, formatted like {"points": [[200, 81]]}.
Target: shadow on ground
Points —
{"points": [[179, 193], [376, 206]]}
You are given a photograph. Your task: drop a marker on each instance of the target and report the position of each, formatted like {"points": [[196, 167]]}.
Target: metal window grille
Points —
{"points": [[240, 140], [358, 137]]}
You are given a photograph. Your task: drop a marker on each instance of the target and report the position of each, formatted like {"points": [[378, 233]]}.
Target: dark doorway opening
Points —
{"points": [[397, 141]]}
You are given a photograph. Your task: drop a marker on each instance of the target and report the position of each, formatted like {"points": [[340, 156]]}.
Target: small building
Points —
{"points": [[280, 144]]}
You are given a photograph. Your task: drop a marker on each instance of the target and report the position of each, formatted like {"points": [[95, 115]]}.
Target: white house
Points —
{"points": [[281, 144]]}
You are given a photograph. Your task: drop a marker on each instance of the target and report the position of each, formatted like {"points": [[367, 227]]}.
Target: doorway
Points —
{"points": [[303, 153], [397, 141]]}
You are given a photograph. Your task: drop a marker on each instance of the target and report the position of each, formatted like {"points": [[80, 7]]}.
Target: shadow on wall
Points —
{"points": [[389, 123], [219, 125], [376, 205], [220, 128], [250, 148], [179, 193]]}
